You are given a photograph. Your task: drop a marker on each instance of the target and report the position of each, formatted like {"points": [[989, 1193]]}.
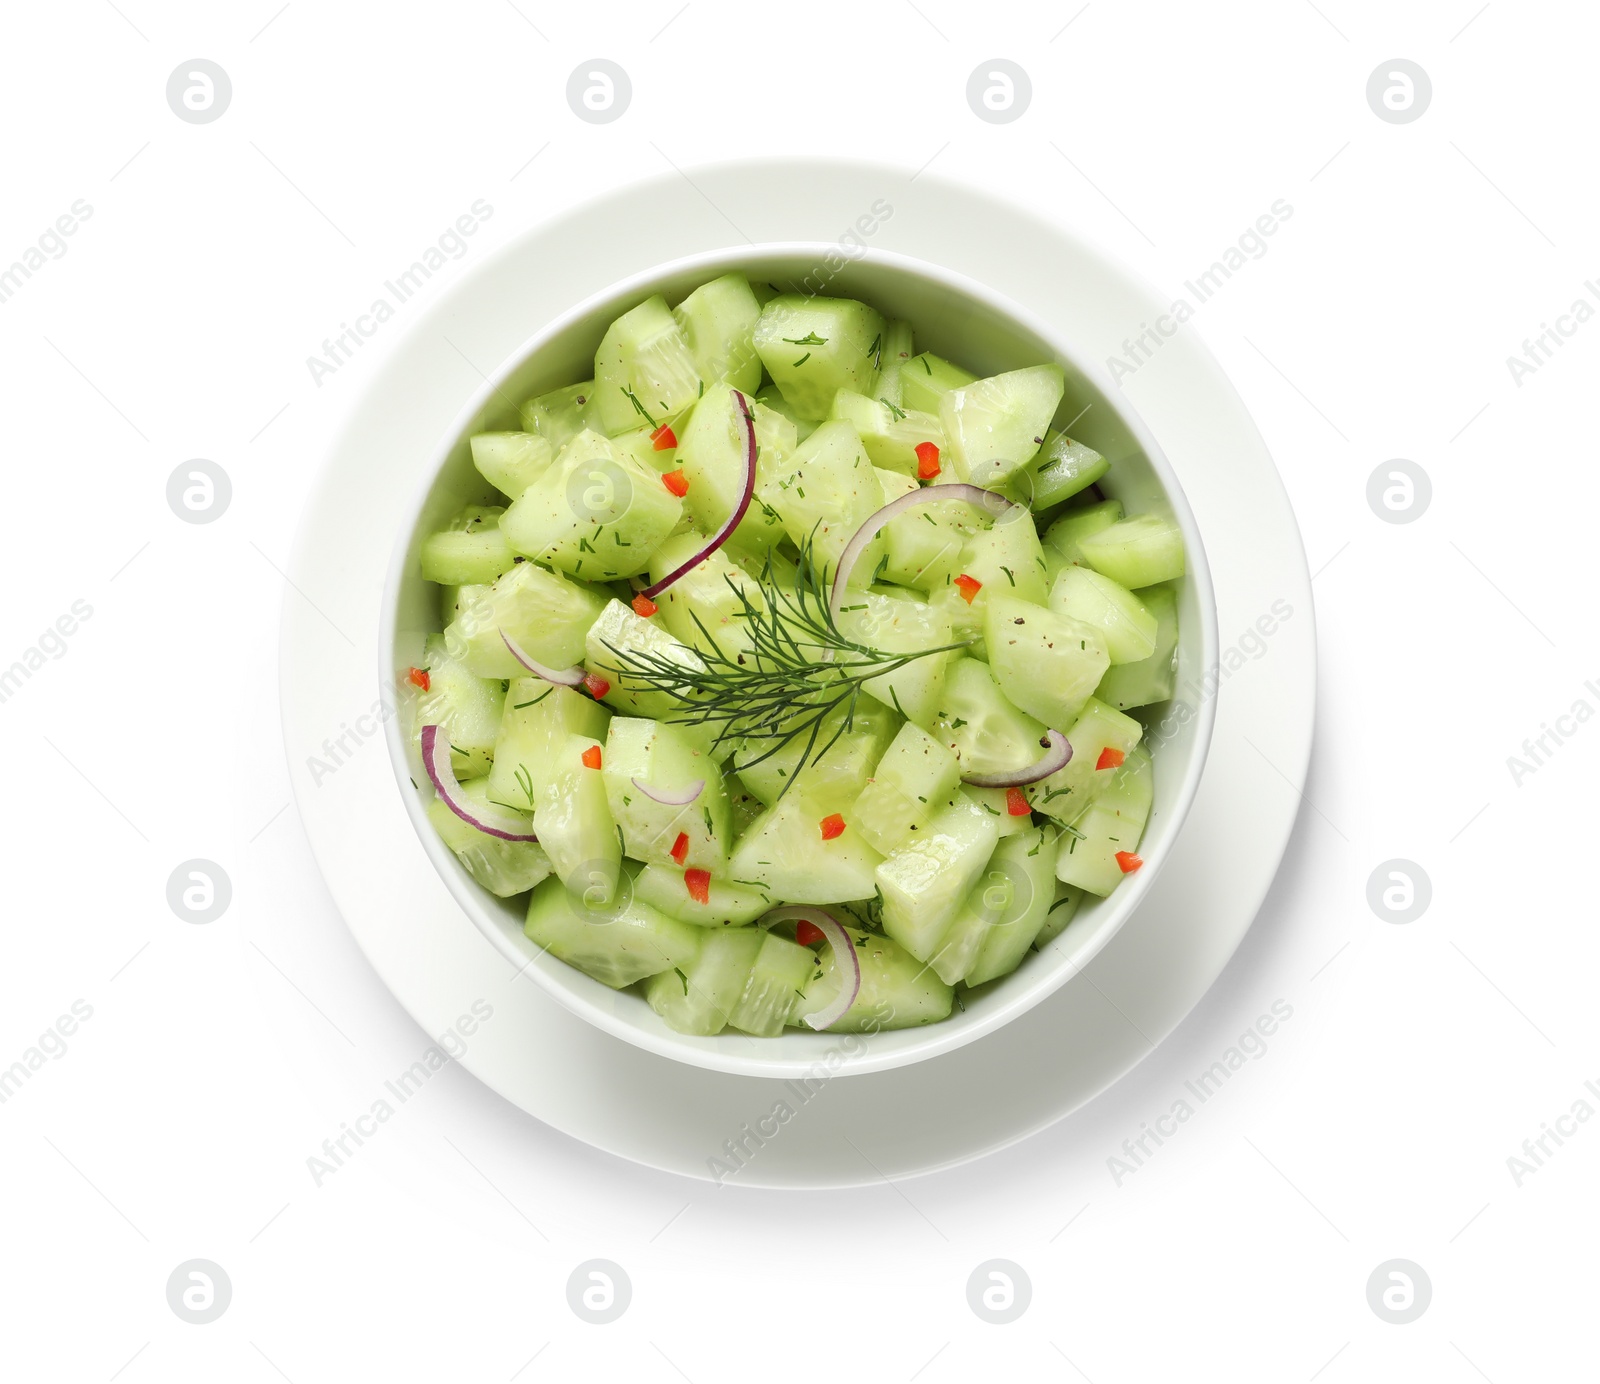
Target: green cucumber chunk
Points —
{"points": [[728, 903], [996, 426], [502, 867], [644, 371], [772, 397], [824, 491], [717, 321], [980, 725], [575, 825], [698, 998], [902, 623], [997, 804], [473, 549], [1062, 469], [617, 946], [775, 989], [927, 378], [915, 776], [1025, 865], [712, 450], [1112, 825], [538, 718], [784, 853], [620, 628], [1150, 679], [511, 461], [660, 756], [897, 990], [560, 415], [924, 883], [1067, 792], [1126, 627], [814, 347], [595, 512], [830, 780], [892, 359], [466, 706], [1046, 664], [890, 434], [1062, 912], [546, 614], [1138, 551]]}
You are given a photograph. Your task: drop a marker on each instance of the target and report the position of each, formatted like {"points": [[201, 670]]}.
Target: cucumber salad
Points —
{"points": [[786, 668]]}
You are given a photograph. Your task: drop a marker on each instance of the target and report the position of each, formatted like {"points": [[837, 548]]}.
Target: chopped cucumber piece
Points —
{"points": [[644, 371], [728, 904], [775, 988], [903, 624], [1046, 664], [466, 706], [1138, 551], [772, 397], [897, 990], [1065, 793], [502, 867], [1062, 912], [1005, 557], [511, 461], [641, 444], [924, 883], [616, 947], [717, 321], [660, 757], [829, 781], [620, 629], [1111, 827], [813, 347], [539, 717], [1068, 532], [926, 547], [711, 451], [1026, 866], [699, 998], [915, 775], [1150, 679], [890, 434], [927, 378], [471, 550], [824, 491], [560, 415], [980, 726], [595, 512], [892, 359], [545, 613], [575, 825], [703, 608], [1128, 629], [1062, 469], [996, 426], [997, 804], [785, 853]]}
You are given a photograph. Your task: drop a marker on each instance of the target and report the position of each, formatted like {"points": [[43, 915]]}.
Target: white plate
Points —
{"points": [[856, 1128]]}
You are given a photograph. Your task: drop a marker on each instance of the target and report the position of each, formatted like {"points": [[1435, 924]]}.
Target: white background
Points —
{"points": [[1419, 1057]]}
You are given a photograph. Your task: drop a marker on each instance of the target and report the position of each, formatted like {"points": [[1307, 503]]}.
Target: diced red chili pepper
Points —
{"points": [[644, 607], [1017, 802], [591, 757], [680, 848], [927, 461], [808, 934], [595, 685], [676, 482], [968, 587], [832, 825], [698, 883], [1110, 758], [664, 439], [1128, 862], [419, 678]]}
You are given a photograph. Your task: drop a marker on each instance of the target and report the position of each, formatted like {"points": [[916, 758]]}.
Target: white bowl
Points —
{"points": [[955, 317]]}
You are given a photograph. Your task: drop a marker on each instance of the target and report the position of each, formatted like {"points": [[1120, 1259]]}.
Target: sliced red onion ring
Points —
{"points": [[562, 677], [678, 797], [1058, 756], [845, 961], [747, 488], [492, 822], [928, 494]]}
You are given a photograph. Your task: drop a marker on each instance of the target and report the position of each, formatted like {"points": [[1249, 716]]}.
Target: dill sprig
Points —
{"points": [[800, 679]]}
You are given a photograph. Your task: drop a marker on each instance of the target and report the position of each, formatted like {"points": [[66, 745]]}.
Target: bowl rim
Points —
{"points": [[714, 1054]]}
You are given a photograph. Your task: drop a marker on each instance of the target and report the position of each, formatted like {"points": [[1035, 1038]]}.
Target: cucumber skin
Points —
{"points": [[1067, 532], [1029, 856], [700, 1000], [456, 558], [775, 987], [1062, 912], [1136, 552], [1152, 679]]}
